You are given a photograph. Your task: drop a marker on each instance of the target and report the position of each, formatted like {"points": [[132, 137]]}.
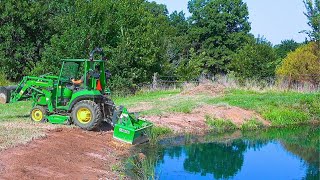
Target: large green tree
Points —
{"points": [[285, 47], [218, 29], [25, 28], [133, 32], [255, 60]]}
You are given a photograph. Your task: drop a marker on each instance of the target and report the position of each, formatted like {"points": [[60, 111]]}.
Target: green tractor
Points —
{"points": [[85, 102]]}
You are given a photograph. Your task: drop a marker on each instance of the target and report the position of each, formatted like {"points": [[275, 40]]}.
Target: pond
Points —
{"points": [[287, 153]]}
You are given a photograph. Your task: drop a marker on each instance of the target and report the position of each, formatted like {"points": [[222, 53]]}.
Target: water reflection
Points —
{"points": [[291, 153], [221, 160]]}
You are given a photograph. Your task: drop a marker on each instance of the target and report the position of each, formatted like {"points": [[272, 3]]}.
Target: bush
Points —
{"points": [[302, 65], [3, 80]]}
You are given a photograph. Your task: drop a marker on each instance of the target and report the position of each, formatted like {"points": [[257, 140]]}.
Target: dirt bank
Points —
{"points": [[195, 122], [65, 153]]}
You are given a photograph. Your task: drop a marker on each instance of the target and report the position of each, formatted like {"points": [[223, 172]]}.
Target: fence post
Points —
{"points": [[154, 81]]}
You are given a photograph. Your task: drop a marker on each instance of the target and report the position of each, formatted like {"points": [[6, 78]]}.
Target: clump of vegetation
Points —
{"points": [[141, 168], [219, 125], [252, 124], [157, 132], [3, 80], [184, 107]]}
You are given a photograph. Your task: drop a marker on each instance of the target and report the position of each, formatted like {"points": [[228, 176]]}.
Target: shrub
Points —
{"points": [[3, 80], [302, 65]]}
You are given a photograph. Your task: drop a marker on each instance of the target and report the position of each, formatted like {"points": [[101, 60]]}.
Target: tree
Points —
{"points": [[178, 44], [25, 28], [285, 47], [133, 32], [313, 15], [191, 68], [255, 60], [218, 28], [302, 65]]}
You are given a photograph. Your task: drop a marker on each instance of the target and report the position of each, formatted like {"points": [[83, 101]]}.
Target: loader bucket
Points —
{"points": [[130, 129]]}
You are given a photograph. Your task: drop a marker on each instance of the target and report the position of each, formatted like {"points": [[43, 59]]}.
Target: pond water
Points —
{"points": [[290, 153]]}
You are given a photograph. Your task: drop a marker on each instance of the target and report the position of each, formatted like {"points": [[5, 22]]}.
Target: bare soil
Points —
{"points": [[65, 153], [205, 88], [195, 122]]}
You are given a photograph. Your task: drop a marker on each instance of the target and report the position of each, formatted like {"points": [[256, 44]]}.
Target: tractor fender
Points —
{"points": [[95, 98]]}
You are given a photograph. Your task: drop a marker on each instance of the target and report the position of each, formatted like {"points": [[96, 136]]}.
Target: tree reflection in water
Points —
{"points": [[224, 160]]}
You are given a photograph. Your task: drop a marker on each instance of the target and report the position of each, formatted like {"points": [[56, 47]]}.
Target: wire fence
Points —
{"points": [[305, 83]]}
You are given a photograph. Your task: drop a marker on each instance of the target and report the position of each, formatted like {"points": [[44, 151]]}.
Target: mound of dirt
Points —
{"points": [[206, 88], [235, 114], [194, 122]]}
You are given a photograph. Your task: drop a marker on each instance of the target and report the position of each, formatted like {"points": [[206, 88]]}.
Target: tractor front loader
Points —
{"points": [[58, 100]]}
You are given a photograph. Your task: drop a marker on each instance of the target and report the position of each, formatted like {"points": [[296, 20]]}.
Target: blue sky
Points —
{"points": [[276, 20]]}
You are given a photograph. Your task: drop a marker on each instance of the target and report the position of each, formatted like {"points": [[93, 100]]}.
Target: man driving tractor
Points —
{"points": [[95, 74]]}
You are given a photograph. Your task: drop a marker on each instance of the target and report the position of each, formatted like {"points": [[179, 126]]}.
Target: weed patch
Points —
{"points": [[252, 124], [219, 125], [157, 132]]}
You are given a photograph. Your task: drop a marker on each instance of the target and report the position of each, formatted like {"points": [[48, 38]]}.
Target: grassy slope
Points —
{"points": [[280, 108]]}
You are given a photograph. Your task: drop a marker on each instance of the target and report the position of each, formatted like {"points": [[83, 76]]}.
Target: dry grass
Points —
{"points": [[17, 128]]}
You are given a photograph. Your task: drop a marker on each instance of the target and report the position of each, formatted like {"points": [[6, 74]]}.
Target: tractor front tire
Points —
{"points": [[38, 114], [87, 115]]}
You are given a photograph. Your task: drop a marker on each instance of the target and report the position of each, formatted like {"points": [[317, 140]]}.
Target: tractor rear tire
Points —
{"points": [[109, 107], [38, 114], [87, 115], [4, 95]]}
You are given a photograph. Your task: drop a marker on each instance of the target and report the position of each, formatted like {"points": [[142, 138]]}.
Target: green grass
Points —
{"points": [[144, 97], [280, 108], [157, 133], [219, 125], [162, 102], [252, 124], [15, 111]]}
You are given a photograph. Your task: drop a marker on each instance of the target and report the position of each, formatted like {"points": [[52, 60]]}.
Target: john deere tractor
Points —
{"points": [[58, 100]]}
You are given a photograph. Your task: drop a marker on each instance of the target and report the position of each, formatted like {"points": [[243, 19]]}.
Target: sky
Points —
{"points": [[276, 20]]}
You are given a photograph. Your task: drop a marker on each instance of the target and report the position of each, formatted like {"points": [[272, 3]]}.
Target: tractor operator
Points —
{"points": [[95, 73]]}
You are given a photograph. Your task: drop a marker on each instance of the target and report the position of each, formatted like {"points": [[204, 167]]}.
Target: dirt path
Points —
{"points": [[64, 154]]}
